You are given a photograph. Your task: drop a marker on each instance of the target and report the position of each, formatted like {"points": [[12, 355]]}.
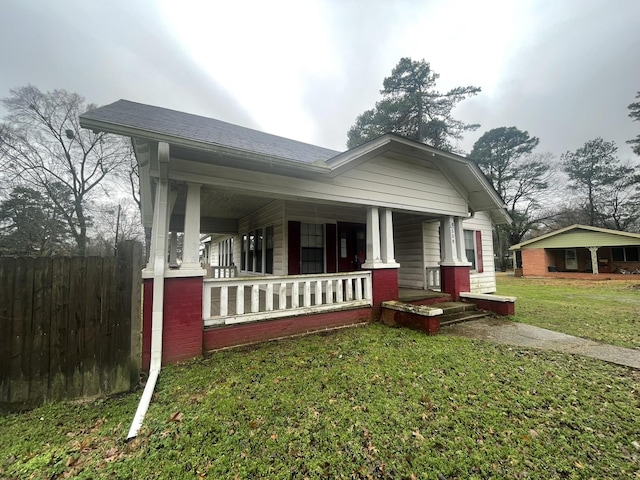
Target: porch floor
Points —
{"points": [[414, 294]]}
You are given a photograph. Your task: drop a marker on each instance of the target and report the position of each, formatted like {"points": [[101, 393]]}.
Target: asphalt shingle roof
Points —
{"points": [[206, 130]]}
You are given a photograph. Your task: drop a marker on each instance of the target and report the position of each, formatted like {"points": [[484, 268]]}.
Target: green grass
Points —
{"points": [[604, 311], [364, 403]]}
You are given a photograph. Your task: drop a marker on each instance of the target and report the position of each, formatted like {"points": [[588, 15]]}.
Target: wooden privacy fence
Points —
{"points": [[69, 326]]}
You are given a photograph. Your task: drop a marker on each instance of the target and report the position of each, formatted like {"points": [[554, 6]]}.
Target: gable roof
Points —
{"points": [[213, 141], [163, 124], [581, 236]]}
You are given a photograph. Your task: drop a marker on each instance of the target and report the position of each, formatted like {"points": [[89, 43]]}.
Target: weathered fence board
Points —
{"points": [[68, 326]]}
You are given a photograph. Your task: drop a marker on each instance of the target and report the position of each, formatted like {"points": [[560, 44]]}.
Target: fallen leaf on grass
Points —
{"points": [[274, 436], [418, 435], [112, 452], [176, 417]]}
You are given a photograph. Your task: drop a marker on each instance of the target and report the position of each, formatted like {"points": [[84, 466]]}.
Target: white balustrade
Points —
{"points": [[228, 300], [223, 272], [433, 278]]}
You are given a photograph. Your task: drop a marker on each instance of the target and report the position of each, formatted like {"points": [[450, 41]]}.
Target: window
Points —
{"points": [[257, 251], [624, 254], [259, 240], [269, 252], [470, 247], [312, 248], [243, 252]]}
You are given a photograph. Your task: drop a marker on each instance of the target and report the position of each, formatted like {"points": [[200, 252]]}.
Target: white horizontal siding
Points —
{"points": [[484, 282], [381, 182], [431, 243], [407, 235], [323, 213]]}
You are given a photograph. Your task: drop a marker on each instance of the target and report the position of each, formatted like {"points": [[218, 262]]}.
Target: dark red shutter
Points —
{"points": [[479, 265], [294, 248], [332, 247]]}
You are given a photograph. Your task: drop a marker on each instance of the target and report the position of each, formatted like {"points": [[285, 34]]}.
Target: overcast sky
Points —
{"points": [[564, 70]]}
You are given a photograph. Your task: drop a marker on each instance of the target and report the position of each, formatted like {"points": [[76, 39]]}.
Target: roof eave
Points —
{"points": [[316, 168]]}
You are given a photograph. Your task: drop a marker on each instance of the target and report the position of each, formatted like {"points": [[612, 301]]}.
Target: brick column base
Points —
{"points": [[384, 283], [455, 279], [182, 320]]}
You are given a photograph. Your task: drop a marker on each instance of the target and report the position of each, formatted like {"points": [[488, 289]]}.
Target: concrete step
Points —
{"points": [[455, 307], [465, 316]]}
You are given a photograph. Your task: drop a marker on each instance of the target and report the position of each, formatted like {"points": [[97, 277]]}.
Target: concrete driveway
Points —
{"points": [[519, 334]]}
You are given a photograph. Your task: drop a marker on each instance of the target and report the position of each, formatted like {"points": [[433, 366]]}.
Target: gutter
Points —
{"points": [[160, 232]]}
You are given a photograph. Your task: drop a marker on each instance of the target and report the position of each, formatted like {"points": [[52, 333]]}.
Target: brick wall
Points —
{"points": [[385, 287], [455, 279], [255, 332], [182, 320], [535, 262]]}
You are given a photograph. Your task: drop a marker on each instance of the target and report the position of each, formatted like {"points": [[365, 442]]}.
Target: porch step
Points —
{"points": [[454, 318], [458, 312]]}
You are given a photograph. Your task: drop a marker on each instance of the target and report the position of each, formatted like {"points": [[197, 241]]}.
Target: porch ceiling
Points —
{"points": [[218, 203]]}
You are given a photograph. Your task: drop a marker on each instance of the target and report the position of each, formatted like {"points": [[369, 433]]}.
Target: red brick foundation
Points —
{"points": [[499, 308], [182, 320], [385, 287], [455, 279], [215, 338], [429, 325]]}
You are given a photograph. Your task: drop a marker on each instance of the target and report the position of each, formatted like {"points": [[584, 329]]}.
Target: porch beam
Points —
{"points": [[207, 225]]}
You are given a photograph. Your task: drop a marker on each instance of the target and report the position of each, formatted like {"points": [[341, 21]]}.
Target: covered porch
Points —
{"points": [[303, 238]]}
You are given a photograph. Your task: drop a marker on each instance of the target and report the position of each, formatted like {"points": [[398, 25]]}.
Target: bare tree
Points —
{"points": [[42, 146]]}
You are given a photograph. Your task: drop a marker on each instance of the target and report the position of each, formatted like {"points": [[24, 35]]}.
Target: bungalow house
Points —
{"points": [[304, 238], [578, 250]]}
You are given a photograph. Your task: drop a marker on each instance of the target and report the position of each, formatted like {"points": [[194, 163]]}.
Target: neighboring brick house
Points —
{"points": [[301, 237], [578, 249]]}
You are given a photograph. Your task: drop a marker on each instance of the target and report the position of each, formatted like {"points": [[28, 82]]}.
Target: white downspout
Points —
{"points": [[160, 231]]}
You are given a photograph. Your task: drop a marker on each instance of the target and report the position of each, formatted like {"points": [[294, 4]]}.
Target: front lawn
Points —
{"points": [[365, 403], [606, 311]]}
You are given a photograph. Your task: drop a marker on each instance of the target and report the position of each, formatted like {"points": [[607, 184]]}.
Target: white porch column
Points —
{"points": [[173, 250], [448, 241], [460, 252], [386, 238], [594, 260], [373, 259], [191, 247]]}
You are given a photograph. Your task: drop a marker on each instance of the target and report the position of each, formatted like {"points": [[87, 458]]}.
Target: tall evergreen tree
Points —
{"points": [[411, 106], [505, 155], [635, 114], [602, 181], [31, 225]]}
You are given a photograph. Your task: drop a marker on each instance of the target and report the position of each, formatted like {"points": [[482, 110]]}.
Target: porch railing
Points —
{"points": [[433, 278], [223, 272], [246, 299]]}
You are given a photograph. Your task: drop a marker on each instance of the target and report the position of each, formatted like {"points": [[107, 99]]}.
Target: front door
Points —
{"points": [[570, 259], [352, 246]]}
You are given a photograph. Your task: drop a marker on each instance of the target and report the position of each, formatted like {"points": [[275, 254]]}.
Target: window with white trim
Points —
{"points": [[256, 251], [470, 247], [312, 248]]}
